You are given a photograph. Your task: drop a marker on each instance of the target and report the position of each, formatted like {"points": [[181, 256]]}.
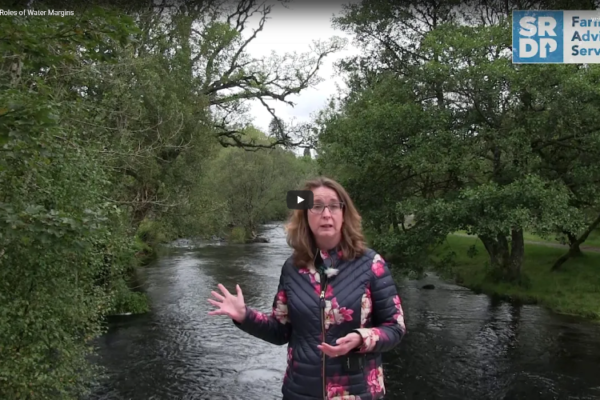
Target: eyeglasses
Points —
{"points": [[333, 208]]}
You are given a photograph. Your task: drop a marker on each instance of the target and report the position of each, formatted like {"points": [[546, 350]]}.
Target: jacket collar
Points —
{"points": [[329, 262], [334, 254]]}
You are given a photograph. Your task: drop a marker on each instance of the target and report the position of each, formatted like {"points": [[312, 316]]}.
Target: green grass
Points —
{"points": [[592, 240], [574, 290]]}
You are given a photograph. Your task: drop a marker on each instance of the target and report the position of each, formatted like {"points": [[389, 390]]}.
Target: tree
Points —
{"points": [[64, 250], [198, 53], [252, 186], [471, 159], [107, 121], [368, 145]]}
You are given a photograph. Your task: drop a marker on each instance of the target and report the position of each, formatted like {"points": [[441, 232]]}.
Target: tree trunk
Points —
{"points": [[143, 204], [139, 214], [395, 222], [495, 250], [506, 259], [517, 254], [574, 248], [574, 244]]}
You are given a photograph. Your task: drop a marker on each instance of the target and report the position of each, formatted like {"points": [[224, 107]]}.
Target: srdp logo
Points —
{"points": [[538, 37], [300, 199]]}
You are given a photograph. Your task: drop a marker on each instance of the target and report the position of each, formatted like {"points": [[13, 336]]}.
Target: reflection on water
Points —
{"points": [[459, 345]]}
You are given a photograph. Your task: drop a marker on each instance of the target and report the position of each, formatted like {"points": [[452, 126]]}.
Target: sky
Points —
{"points": [[293, 29]]}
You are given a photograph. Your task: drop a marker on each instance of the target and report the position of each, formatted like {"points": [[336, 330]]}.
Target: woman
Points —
{"points": [[336, 305]]}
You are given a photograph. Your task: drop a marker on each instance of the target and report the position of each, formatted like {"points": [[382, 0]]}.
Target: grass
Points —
{"points": [[592, 240], [574, 290]]}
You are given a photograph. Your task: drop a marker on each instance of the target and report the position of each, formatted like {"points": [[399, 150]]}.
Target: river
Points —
{"points": [[459, 345]]}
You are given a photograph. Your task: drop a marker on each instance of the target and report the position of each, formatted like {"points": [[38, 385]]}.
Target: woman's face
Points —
{"points": [[326, 226]]}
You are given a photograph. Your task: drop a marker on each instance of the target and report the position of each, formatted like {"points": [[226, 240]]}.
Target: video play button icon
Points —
{"points": [[300, 199]]}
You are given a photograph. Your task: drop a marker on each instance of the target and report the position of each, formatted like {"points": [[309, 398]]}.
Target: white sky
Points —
{"points": [[293, 29]]}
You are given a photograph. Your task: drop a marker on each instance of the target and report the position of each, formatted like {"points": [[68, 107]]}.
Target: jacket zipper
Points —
{"points": [[323, 331], [323, 289]]}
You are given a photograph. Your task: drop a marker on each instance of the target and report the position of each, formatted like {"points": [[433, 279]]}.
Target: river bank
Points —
{"points": [[574, 290]]}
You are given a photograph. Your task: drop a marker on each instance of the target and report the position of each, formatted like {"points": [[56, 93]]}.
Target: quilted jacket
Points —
{"points": [[351, 295]]}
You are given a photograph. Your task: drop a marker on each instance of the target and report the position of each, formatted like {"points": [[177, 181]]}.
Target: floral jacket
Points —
{"points": [[356, 295]]}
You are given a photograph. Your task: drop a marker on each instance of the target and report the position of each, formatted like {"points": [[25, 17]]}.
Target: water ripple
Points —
{"points": [[460, 345]]}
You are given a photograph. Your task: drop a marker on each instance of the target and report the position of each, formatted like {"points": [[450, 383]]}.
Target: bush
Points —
{"points": [[237, 235]]}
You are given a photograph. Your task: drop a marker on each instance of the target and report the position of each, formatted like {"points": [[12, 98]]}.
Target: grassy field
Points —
{"points": [[593, 240], [573, 290]]}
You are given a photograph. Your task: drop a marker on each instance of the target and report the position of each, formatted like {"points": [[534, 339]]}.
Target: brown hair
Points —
{"points": [[301, 238]]}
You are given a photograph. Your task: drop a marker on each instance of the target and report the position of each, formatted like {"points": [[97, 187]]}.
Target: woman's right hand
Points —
{"points": [[228, 304]]}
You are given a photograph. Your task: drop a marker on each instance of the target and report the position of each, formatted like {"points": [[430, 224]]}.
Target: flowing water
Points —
{"points": [[459, 346]]}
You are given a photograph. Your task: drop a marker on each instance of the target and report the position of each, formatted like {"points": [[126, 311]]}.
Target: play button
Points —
{"points": [[299, 199]]}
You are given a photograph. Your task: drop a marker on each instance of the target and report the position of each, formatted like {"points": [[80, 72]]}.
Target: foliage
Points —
{"points": [[62, 247], [367, 149], [443, 130], [113, 125], [246, 188]]}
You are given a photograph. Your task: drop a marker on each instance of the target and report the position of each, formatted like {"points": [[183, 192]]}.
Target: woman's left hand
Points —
{"points": [[344, 345]]}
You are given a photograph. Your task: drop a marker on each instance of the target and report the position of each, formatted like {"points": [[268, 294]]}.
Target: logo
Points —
{"points": [[300, 199], [538, 37]]}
